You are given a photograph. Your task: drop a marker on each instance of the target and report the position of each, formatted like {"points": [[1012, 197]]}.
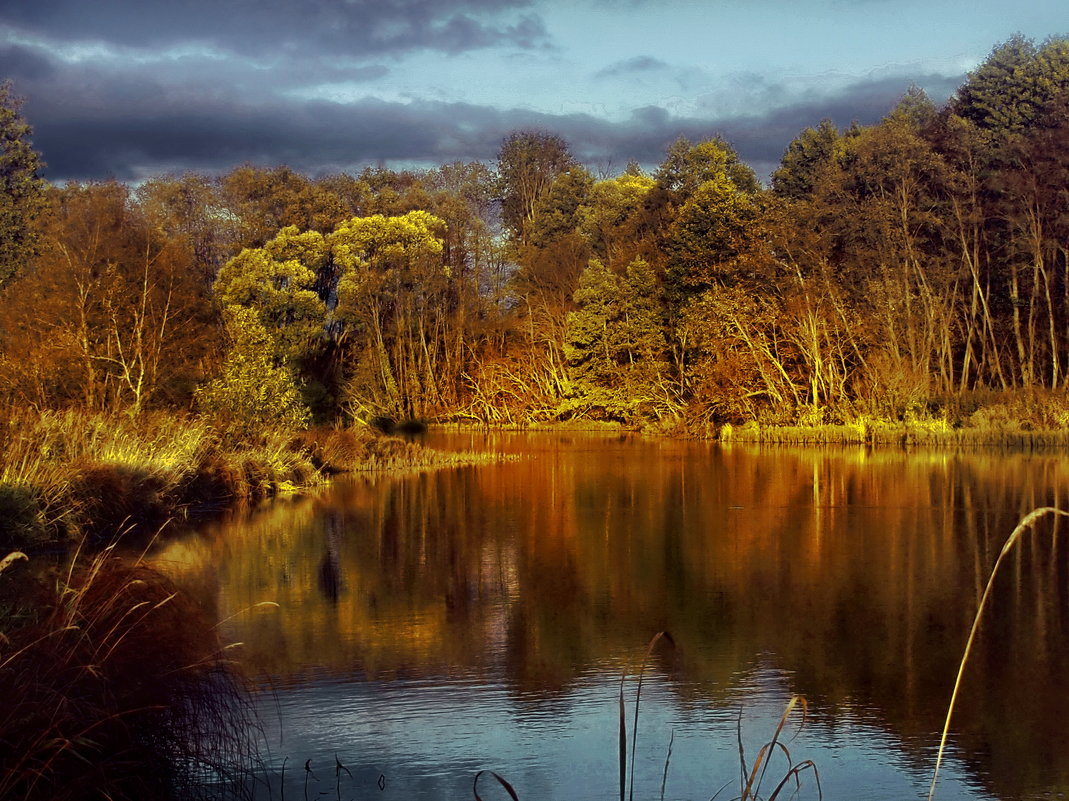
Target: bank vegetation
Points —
{"points": [[198, 341], [911, 270]]}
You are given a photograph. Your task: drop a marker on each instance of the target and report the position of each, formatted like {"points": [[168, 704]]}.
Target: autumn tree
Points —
{"points": [[1033, 241], [187, 207], [118, 320], [262, 202], [527, 164]]}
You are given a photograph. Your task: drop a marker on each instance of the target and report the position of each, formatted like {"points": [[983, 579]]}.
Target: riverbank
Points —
{"points": [[877, 433], [117, 682], [1034, 420], [64, 475], [866, 431]]}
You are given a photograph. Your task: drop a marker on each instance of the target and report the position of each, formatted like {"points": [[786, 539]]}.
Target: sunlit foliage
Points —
{"points": [[252, 390], [895, 270]]}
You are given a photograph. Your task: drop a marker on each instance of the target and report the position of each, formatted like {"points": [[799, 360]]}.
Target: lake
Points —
{"points": [[431, 626]]}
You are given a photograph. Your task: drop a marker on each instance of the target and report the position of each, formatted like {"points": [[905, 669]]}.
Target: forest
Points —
{"points": [[912, 269], [181, 345]]}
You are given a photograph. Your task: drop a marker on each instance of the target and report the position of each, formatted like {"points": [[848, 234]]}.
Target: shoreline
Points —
{"points": [[65, 475], [68, 477]]}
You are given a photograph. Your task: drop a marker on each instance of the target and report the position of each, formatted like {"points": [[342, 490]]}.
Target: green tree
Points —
{"points": [[687, 166], [717, 239], [253, 389], [21, 190], [555, 253], [391, 301], [527, 164], [615, 347], [278, 281], [1015, 85], [608, 218], [591, 344], [557, 211], [810, 152]]}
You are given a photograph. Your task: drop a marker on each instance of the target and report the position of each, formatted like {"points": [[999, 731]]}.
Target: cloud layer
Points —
{"points": [[124, 89]]}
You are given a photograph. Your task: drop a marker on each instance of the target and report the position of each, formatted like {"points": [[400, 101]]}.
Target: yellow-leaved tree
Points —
{"points": [[253, 389], [391, 295]]}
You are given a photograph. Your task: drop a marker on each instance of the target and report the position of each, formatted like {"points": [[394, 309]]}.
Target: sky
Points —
{"points": [[131, 89]]}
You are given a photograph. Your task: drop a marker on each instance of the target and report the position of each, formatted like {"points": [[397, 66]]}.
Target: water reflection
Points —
{"points": [[514, 595]]}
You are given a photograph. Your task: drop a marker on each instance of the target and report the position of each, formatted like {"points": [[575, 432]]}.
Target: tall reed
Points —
{"points": [[752, 778], [115, 685], [1026, 523]]}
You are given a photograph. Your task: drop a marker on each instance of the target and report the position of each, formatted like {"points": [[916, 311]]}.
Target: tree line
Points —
{"points": [[896, 270]]}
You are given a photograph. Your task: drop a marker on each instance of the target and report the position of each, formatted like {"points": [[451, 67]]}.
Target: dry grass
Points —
{"points": [[1026, 523], [64, 474], [871, 432], [115, 686], [349, 450], [68, 474]]}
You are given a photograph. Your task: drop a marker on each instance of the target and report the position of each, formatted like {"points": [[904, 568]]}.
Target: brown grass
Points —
{"points": [[68, 474], [115, 686]]}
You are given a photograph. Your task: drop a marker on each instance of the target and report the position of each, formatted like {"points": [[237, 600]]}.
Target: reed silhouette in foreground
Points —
{"points": [[1026, 523], [115, 686], [752, 777]]}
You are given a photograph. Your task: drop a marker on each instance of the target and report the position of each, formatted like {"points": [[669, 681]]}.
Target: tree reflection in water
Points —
{"points": [[852, 574]]}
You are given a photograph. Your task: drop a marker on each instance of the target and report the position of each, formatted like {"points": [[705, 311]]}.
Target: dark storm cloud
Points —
{"points": [[312, 27], [632, 66], [92, 122], [23, 63], [759, 138]]}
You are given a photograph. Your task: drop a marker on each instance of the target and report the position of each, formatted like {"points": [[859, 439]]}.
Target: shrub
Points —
{"points": [[252, 391]]}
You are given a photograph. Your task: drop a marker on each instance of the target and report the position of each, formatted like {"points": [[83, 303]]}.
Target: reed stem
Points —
{"points": [[1026, 522]]}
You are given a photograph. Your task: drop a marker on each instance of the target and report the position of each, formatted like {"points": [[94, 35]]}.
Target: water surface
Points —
{"points": [[435, 625]]}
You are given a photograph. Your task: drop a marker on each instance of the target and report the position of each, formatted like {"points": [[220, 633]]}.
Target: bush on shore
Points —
{"points": [[68, 474]]}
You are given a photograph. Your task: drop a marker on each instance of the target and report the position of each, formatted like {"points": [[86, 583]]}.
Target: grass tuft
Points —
{"points": [[752, 787], [115, 686]]}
